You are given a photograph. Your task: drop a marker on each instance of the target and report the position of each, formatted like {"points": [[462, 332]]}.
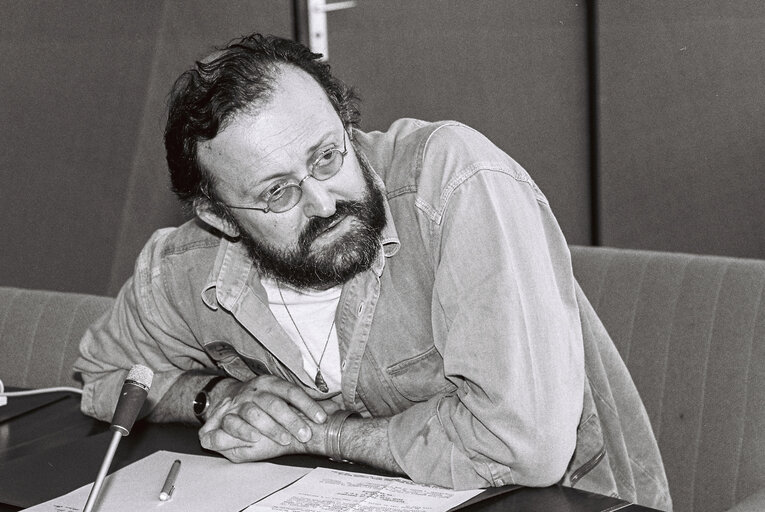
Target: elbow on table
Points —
{"points": [[546, 473], [546, 463]]}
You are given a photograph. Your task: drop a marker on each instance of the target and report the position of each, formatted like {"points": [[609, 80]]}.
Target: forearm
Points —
{"points": [[366, 441], [176, 404], [362, 440]]}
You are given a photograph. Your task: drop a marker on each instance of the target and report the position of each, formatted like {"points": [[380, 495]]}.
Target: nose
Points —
{"points": [[317, 200]]}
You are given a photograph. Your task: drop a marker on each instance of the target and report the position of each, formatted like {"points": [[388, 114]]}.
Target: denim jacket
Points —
{"points": [[469, 332]]}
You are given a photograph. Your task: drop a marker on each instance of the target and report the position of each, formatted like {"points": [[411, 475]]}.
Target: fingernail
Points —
{"points": [[321, 416], [304, 434], [284, 439]]}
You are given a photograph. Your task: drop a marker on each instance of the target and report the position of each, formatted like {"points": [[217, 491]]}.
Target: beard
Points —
{"points": [[320, 268]]}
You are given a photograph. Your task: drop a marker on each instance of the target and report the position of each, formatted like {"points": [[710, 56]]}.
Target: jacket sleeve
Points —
{"points": [[143, 327], [506, 323]]}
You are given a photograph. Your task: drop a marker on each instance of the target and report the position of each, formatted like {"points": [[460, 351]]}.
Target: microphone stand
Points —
{"points": [[133, 394], [107, 462]]}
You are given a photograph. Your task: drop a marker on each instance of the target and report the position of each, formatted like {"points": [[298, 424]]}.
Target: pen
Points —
{"points": [[169, 487]]}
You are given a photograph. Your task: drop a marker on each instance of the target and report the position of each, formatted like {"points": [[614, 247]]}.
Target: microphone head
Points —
{"points": [[133, 394], [140, 375]]}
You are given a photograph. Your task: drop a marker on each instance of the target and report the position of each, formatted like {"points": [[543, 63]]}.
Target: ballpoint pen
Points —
{"points": [[169, 486]]}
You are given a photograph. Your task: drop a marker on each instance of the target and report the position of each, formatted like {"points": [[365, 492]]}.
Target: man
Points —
{"points": [[402, 299]]}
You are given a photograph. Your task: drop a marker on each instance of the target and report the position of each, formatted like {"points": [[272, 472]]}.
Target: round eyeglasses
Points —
{"points": [[284, 195]]}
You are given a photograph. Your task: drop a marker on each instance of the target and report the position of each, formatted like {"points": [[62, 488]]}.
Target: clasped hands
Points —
{"points": [[266, 417]]}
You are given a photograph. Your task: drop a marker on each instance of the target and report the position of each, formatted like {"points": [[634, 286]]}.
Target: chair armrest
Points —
{"points": [[753, 503]]}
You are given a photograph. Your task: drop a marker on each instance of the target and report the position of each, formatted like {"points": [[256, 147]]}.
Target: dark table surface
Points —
{"points": [[48, 448]]}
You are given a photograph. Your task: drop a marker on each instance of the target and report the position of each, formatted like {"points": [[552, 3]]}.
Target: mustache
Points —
{"points": [[317, 225]]}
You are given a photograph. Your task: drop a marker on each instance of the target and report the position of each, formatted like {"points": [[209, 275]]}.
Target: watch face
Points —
{"points": [[200, 403]]}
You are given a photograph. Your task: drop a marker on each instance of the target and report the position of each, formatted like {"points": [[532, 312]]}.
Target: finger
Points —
{"points": [[218, 440], [215, 417], [330, 406], [266, 428], [238, 454], [293, 395], [265, 449], [280, 416], [248, 454], [273, 419]]}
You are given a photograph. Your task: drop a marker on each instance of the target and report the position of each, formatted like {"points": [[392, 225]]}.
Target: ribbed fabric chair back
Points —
{"points": [[40, 332], [691, 330]]}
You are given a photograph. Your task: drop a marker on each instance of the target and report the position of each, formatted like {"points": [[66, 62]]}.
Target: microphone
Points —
{"points": [[132, 397]]}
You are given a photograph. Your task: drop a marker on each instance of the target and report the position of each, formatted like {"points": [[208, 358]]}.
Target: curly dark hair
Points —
{"points": [[233, 78]]}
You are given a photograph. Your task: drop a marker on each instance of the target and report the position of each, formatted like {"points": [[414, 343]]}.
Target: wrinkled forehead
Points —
{"points": [[289, 91], [296, 104], [289, 126]]}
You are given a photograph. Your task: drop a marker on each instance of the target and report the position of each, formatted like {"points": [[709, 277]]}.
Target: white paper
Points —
{"points": [[340, 491], [203, 484]]}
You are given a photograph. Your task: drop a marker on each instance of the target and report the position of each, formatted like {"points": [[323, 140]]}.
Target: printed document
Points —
{"points": [[342, 491], [216, 485]]}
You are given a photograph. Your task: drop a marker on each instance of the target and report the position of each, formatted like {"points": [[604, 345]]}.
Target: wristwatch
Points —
{"points": [[202, 400]]}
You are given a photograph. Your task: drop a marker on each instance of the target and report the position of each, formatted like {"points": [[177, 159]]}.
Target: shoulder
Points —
{"points": [[193, 237], [431, 160], [186, 252], [401, 149]]}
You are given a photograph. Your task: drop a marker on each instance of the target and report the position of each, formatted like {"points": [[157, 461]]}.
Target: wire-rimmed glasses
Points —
{"points": [[286, 194]]}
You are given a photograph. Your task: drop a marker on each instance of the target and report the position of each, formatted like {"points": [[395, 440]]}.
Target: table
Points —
{"points": [[48, 448]]}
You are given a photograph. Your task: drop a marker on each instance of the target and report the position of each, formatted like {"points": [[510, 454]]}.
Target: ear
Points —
{"points": [[205, 212]]}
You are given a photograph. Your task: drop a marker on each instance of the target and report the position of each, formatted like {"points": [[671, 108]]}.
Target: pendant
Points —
{"points": [[320, 383]]}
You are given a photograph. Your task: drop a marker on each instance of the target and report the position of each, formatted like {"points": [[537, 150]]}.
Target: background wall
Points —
{"points": [[84, 84], [681, 102], [517, 71], [641, 120]]}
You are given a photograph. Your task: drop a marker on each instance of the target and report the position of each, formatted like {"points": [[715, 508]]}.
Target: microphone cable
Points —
{"points": [[4, 395]]}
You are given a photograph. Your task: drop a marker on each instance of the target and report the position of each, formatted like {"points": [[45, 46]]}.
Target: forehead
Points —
{"points": [[295, 118]]}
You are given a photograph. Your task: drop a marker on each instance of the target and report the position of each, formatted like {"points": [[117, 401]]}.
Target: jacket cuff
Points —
{"points": [[421, 447], [100, 396]]}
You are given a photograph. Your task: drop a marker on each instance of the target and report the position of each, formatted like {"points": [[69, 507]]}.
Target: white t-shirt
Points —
{"points": [[314, 314]]}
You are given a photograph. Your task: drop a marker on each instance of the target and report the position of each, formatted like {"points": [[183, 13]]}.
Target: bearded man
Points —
{"points": [[403, 299]]}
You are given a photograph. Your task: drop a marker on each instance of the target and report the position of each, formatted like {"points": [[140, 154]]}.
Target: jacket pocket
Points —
{"points": [[589, 468], [240, 367], [420, 377]]}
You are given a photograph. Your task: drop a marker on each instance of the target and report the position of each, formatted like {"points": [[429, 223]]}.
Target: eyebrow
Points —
{"points": [[322, 141], [311, 152]]}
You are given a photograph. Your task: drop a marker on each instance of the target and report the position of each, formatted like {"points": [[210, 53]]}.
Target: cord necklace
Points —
{"points": [[319, 379]]}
